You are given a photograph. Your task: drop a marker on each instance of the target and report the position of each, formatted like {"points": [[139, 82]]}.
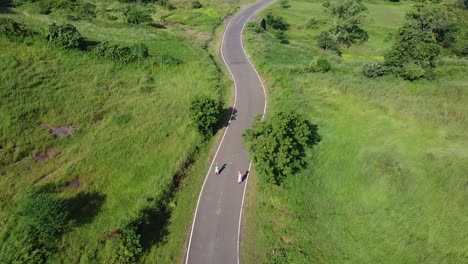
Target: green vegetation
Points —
{"points": [[278, 145], [66, 36], [205, 113], [347, 16], [387, 182], [95, 114]]}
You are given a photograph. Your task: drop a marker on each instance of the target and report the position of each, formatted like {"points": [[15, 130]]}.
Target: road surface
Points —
{"points": [[215, 232]]}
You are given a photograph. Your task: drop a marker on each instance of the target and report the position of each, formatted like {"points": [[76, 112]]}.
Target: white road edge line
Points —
{"points": [[222, 138], [263, 117]]}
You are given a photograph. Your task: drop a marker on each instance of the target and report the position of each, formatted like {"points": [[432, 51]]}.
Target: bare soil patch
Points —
{"points": [[60, 132], [43, 157]]}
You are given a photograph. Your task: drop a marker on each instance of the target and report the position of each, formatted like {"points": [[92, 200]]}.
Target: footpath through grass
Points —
{"points": [[132, 150], [388, 181]]}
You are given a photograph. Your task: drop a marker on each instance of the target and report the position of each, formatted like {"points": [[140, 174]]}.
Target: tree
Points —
{"points": [[326, 42], [204, 112], [347, 16], [415, 52], [278, 145], [66, 35]]}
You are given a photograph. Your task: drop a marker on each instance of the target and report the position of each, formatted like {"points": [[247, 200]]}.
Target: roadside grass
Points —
{"points": [[387, 183], [132, 137]]}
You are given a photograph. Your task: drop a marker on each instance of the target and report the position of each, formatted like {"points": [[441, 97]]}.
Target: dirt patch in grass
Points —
{"points": [[43, 157], [197, 34], [76, 183], [60, 132]]}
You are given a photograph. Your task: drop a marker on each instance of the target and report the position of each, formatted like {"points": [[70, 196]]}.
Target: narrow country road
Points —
{"points": [[215, 233]]}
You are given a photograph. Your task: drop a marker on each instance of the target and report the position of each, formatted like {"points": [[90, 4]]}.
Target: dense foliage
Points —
{"points": [[66, 35], [122, 247], [121, 54], [42, 220], [278, 145], [374, 69], [138, 16], [276, 22], [415, 53], [13, 30], [347, 17], [204, 112], [326, 41]]}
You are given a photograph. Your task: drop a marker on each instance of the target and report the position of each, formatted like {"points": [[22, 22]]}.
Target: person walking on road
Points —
{"points": [[239, 176], [217, 169]]}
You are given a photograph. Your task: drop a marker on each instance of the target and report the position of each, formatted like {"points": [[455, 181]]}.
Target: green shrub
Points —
{"points": [[204, 113], [121, 54], [138, 17], [327, 42], [322, 65], [374, 69], [312, 23], [278, 145], [42, 218], [13, 30], [276, 22], [412, 71], [196, 4], [74, 9], [66, 35], [281, 36], [284, 4], [254, 27], [123, 247], [43, 215]]}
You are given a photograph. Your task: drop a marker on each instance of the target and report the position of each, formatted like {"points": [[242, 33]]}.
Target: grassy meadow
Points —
{"points": [[387, 183], [131, 147]]}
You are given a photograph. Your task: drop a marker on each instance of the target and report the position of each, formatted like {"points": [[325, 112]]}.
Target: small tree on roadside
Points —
{"points": [[204, 112], [278, 145]]}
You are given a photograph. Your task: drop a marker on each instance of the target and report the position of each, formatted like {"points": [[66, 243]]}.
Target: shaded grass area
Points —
{"points": [[387, 183], [133, 156]]}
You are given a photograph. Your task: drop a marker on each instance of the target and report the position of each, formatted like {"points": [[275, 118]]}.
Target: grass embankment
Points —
{"points": [[388, 181], [131, 132]]}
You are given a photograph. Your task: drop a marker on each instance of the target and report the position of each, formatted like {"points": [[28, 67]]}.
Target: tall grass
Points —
{"points": [[387, 183]]}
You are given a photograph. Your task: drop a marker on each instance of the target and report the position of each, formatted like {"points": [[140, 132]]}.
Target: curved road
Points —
{"points": [[215, 233]]}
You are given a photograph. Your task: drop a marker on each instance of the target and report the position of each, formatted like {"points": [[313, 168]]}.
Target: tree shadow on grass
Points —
{"points": [[87, 44], [152, 225], [85, 206]]}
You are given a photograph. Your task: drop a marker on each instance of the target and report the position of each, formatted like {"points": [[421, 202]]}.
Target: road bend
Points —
{"points": [[215, 233]]}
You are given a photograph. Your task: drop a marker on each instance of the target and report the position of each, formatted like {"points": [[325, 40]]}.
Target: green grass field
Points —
{"points": [[388, 181], [132, 133]]}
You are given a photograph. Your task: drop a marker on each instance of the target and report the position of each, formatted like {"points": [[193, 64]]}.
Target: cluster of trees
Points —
{"points": [[278, 145], [429, 27]]}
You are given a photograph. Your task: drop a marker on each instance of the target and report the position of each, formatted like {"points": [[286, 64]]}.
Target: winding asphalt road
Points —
{"points": [[215, 233]]}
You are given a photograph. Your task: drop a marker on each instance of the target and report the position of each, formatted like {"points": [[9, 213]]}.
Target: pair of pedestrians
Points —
{"points": [[240, 176]]}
